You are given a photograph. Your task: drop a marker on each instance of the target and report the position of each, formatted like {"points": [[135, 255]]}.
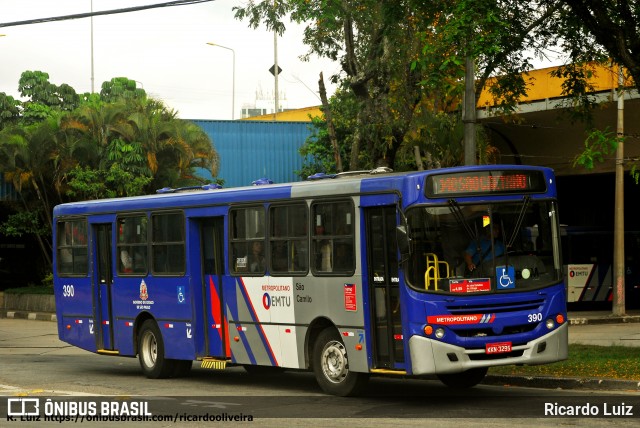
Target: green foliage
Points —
{"points": [[58, 147], [24, 223], [598, 144], [120, 88], [9, 110], [36, 86], [33, 289], [86, 183], [580, 95], [398, 61], [586, 361]]}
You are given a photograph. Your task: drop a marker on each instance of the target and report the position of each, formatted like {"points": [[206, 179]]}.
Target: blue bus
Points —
{"points": [[349, 275]]}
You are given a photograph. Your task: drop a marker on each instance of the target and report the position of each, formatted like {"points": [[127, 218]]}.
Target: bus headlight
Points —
{"points": [[439, 333], [550, 324]]}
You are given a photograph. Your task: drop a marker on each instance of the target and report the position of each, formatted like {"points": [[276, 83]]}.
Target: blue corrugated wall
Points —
{"points": [[7, 191], [254, 149]]}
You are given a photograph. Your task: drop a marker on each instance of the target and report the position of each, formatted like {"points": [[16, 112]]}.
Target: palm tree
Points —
{"points": [[27, 155], [174, 147], [95, 126]]}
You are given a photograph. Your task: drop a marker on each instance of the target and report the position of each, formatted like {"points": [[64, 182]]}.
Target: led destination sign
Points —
{"points": [[484, 182]]}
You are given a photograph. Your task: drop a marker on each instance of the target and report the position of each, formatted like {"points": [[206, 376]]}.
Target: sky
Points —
{"points": [[165, 50]]}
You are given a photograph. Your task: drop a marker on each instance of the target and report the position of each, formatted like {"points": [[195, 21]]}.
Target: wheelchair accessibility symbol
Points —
{"points": [[181, 296], [506, 277]]}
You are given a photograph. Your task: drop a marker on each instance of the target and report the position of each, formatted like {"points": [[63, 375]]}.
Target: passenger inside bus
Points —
{"points": [[127, 262], [256, 258]]}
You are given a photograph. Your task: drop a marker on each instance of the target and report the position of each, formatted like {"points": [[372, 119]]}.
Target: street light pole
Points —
{"points": [[92, 70], [233, 84]]}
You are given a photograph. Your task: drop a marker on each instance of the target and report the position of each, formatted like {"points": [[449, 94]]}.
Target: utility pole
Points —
{"points": [[469, 113], [275, 67], [618, 226]]}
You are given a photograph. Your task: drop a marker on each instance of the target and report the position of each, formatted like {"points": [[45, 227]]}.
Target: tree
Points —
{"points": [[375, 42], [36, 86], [9, 110], [607, 28], [610, 28], [120, 88], [26, 154], [58, 146]]}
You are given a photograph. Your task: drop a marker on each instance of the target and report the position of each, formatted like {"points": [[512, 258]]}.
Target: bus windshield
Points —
{"points": [[484, 248]]}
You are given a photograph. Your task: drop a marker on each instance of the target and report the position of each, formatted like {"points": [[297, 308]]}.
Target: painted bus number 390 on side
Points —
{"points": [[534, 317], [67, 291]]}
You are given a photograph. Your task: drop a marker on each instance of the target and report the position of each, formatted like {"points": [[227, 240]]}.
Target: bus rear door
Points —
{"points": [[104, 281], [217, 337]]}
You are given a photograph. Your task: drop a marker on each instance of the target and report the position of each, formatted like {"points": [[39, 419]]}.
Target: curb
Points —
{"points": [[24, 315], [605, 320], [591, 384]]}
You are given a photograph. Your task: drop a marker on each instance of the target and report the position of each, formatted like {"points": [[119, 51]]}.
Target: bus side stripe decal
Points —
{"points": [[215, 314], [254, 315]]}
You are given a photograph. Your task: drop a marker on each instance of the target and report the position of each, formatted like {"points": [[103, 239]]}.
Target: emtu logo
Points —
{"points": [[276, 301], [266, 301]]}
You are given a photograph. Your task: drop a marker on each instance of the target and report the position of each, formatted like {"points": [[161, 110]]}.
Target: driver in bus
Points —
{"points": [[479, 250]]}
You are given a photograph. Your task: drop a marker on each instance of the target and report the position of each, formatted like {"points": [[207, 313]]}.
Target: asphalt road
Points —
{"points": [[36, 365]]}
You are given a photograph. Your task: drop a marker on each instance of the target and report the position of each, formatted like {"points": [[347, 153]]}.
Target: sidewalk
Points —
{"points": [[603, 317]]}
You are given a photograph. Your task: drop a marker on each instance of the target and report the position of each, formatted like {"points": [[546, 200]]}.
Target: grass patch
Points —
{"points": [[585, 361], [34, 289]]}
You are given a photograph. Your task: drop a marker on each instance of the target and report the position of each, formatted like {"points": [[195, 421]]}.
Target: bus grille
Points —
{"points": [[485, 357], [496, 307], [480, 332]]}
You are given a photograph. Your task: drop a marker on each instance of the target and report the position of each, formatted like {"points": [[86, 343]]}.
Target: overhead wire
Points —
{"points": [[104, 12]]}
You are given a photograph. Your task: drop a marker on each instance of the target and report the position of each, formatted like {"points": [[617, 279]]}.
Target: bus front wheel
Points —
{"points": [[151, 352], [465, 379], [331, 366]]}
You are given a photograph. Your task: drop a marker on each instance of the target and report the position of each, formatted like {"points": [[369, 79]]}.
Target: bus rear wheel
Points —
{"points": [[151, 352], [465, 379], [331, 366]]}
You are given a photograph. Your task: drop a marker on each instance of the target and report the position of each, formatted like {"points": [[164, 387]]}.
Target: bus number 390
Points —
{"points": [[534, 317], [67, 290]]}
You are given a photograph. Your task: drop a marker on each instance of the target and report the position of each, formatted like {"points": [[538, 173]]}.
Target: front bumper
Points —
{"points": [[429, 356]]}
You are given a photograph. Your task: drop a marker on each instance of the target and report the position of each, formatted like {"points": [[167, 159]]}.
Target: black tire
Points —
{"points": [[331, 366], [262, 370], [463, 380], [151, 352]]}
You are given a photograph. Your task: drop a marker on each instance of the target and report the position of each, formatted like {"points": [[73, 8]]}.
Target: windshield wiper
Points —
{"points": [[459, 216], [516, 228]]}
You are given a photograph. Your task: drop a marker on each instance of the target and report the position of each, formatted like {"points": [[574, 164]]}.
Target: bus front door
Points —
{"points": [[104, 279], [384, 287], [217, 337]]}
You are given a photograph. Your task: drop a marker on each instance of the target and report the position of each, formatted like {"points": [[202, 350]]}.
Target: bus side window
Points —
{"points": [[168, 244], [332, 240], [132, 245], [72, 248], [289, 239], [245, 235]]}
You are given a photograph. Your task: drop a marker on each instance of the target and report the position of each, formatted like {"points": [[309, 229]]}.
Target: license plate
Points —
{"points": [[498, 348]]}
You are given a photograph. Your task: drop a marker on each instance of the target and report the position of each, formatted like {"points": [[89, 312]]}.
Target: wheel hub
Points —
{"points": [[334, 362]]}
